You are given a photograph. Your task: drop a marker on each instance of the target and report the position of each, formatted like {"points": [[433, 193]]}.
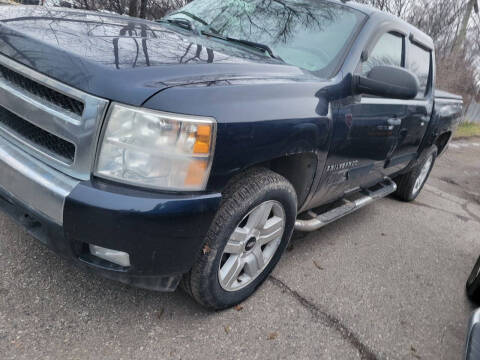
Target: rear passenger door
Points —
{"points": [[419, 60]]}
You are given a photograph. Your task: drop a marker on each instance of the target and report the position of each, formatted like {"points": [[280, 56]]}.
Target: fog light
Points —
{"points": [[117, 257]]}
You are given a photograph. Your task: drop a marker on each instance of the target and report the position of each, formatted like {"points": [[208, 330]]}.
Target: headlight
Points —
{"points": [[156, 149]]}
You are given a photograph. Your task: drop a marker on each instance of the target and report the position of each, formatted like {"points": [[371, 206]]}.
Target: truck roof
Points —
{"points": [[379, 15], [447, 95]]}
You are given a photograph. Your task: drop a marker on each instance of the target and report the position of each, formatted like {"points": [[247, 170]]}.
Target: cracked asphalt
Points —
{"points": [[386, 282]]}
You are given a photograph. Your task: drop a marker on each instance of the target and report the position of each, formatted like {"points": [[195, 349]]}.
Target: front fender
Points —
{"points": [[257, 122]]}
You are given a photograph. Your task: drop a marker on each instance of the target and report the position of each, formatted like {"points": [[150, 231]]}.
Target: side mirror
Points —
{"points": [[387, 81]]}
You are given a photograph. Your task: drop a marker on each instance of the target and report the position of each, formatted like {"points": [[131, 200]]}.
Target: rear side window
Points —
{"points": [[387, 51], [419, 63]]}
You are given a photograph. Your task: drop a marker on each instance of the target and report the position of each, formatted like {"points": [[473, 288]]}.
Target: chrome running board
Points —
{"points": [[364, 197]]}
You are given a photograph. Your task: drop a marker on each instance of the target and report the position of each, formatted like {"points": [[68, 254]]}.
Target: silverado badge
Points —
{"points": [[343, 165]]}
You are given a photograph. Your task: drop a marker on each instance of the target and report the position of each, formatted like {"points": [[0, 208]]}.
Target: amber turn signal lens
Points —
{"points": [[202, 144], [195, 173]]}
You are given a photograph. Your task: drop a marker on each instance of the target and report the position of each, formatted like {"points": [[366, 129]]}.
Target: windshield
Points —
{"points": [[311, 34]]}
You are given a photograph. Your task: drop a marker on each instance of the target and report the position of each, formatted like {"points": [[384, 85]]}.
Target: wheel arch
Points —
{"points": [[442, 140], [299, 169]]}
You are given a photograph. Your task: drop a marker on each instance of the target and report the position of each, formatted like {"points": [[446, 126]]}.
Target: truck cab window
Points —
{"points": [[387, 51], [419, 63]]}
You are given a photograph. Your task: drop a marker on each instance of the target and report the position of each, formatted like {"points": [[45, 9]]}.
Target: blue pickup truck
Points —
{"points": [[187, 150]]}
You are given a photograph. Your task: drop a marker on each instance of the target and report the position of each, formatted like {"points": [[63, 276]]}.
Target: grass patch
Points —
{"points": [[466, 130]]}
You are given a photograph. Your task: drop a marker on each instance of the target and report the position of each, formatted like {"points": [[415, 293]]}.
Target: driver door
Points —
{"points": [[365, 130]]}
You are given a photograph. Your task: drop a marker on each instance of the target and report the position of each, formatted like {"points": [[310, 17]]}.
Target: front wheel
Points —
{"points": [[411, 184], [245, 241]]}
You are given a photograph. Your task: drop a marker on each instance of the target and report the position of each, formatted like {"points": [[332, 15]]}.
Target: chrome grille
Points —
{"points": [[42, 91], [37, 137], [52, 121]]}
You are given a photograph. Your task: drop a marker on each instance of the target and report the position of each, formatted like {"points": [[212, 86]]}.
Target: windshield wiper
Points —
{"points": [[190, 15], [183, 23], [256, 45], [196, 18], [189, 25]]}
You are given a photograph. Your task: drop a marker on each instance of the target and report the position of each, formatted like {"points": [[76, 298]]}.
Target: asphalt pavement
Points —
{"points": [[386, 282]]}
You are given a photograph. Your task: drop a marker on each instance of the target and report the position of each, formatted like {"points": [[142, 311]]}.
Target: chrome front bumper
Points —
{"points": [[161, 233], [34, 184]]}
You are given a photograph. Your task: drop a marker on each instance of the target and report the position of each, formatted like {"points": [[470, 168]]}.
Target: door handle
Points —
{"points": [[394, 122]]}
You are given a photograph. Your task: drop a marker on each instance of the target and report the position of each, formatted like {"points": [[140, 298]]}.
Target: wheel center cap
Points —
{"points": [[250, 244]]}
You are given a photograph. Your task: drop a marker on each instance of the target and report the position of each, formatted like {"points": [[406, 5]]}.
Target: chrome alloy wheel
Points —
{"points": [[423, 175], [252, 245]]}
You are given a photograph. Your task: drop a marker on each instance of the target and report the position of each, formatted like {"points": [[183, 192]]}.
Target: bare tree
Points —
{"points": [[143, 9], [147, 9], [132, 8], [462, 33], [397, 7]]}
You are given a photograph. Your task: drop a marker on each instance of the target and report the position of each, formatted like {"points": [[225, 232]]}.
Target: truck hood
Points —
{"points": [[126, 59]]}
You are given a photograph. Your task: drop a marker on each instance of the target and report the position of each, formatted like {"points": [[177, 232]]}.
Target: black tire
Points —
{"points": [[243, 194], [406, 183], [473, 283]]}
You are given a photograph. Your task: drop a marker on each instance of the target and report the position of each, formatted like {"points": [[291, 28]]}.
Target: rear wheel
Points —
{"points": [[411, 184], [473, 283], [245, 241]]}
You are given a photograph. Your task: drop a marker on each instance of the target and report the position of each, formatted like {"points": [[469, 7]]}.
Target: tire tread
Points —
{"points": [[406, 182], [241, 190]]}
